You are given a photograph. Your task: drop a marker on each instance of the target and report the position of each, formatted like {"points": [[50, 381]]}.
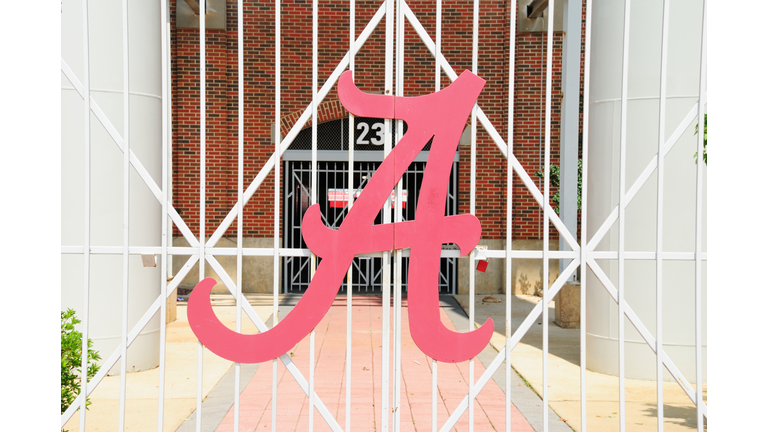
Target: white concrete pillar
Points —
{"points": [[106, 168], [679, 184]]}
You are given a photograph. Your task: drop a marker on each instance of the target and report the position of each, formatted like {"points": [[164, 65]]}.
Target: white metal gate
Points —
{"points": [[582, 255]]}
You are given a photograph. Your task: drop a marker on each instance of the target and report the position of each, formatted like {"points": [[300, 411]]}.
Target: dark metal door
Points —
{"points": [[332, 198]]}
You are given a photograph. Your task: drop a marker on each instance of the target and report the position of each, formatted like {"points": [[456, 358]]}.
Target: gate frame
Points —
{"points": [[580, 256]]}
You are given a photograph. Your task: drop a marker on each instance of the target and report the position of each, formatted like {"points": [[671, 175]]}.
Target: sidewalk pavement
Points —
{"points": [[256, 381], [416, 390], [564, 375], [142, 388]]}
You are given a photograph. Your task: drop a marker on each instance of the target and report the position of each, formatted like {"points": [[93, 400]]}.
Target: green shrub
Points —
{"points": [[554, 182], [71, 359], [704, 156]]}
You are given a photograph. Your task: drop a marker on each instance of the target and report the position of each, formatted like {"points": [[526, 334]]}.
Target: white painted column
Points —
{"points": [[569, 132], [679, 192], [106, 172]]}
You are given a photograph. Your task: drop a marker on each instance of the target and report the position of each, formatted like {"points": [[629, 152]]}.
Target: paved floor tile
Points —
{"points": [[365, 412]]}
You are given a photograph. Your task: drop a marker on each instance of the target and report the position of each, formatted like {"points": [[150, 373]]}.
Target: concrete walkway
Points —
{"points": [[416, 394], [564, 375], [142, 389], [256, 381]]}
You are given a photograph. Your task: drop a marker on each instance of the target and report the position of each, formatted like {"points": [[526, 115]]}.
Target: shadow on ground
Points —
{"points": [[679, 415]]}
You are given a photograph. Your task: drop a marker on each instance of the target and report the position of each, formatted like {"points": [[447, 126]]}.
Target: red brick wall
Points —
{"points": [[221, 101], [530, 107]]}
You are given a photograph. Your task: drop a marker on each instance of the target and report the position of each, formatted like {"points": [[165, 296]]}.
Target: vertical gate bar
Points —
{"points": [[396, 329], [699, 204], [471, 322], [508, 246], [398, 282], [434, 395], [87, 213], [545, 226], [455, 289], [660, 218], [584, 209], [276, 228], [438, 36], [328, 169], [313, 178], [386, 281], [397, 322], [287, 227], [622, 212], [569, 129], [126, 215], [438, 42], [473, 181], [385, 261], [240, 118], [350, 203], [164, 39], [473, 137], [201, 260], [313, 201], [312, 374]]}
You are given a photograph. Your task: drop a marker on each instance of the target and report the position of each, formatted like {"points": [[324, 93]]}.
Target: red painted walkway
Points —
{"points": [[330, 346]]}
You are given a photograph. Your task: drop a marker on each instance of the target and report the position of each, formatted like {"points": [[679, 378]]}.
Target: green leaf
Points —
{"points": [[71, 359], [704, 156], [554, 182]]}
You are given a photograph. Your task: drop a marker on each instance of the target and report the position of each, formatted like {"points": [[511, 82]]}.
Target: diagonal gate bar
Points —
{"points": [[516, 337], [644, 176], [151, 311], [137, 165], [289, 364], [493, 133], [305, 116], [649, 339]]}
